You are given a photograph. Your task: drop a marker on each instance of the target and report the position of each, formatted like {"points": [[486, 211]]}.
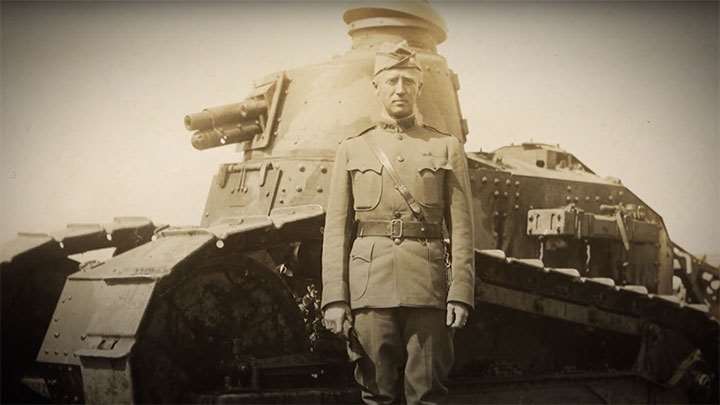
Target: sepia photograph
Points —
{"points": [[377, 202]]}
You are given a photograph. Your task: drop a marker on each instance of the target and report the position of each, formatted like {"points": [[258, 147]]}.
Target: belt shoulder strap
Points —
{"points": [[399, 185]]}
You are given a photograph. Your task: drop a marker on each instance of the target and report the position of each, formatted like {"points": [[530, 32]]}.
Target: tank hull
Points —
{"points": [[575, 301]]}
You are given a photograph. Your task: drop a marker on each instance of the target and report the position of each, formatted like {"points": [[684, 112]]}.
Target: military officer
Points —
{"points": [[384, 268]]}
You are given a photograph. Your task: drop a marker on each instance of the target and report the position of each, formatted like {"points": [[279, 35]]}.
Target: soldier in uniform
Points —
{"points": [[384, 267]]}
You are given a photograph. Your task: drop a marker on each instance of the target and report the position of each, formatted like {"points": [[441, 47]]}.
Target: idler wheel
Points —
{"points": [[207, 325]]}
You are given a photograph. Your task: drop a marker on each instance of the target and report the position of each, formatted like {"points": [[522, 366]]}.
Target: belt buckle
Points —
{"points": [[396, 228]]}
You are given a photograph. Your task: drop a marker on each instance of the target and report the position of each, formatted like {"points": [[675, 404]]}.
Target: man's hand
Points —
{"points": [[335, 315], [457, 315]]}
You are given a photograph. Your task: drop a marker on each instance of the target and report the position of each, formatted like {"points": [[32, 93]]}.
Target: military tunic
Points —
{"points": [[381, 272]]}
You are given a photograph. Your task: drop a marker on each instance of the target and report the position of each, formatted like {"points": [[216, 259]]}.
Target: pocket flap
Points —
{"points": [[434, 164], [362, 250], [364, 165]]}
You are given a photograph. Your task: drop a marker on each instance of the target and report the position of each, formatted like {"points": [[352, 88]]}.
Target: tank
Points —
{"points": [[582, 297]]}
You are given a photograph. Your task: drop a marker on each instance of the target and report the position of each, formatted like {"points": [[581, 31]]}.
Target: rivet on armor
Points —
{"points": [[620, 193], [302, 168], [400, 159], [207, 214], [587, 198], [484, 179], [507, 182], [319, 189], [568, 198], [83, 337], [517, 183], [577, 199], [496, 181], [496, 193], [397, 241], [597, 198], [282, 201], [220, 244], [282, 191], [298, 189], [517, 207], [569, 188], [323, 169], [56, 334], [517, 195], [611, 198], [497, 214]]}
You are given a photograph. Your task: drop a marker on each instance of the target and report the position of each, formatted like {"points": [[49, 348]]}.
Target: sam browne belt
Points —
{"points": [[397, 228]]}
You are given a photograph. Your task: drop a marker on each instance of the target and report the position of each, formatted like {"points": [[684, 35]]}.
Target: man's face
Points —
{"points": [[398, 90]]}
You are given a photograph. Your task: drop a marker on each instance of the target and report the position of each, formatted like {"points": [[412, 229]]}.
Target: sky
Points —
{"points": [[94, 93]]}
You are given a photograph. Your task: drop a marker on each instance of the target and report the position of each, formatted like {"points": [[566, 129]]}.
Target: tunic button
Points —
{"points": [[400, 159], [397, 241]]}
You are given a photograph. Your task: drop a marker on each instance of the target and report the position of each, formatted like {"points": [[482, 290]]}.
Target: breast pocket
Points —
{"points": [[361, 256], [430, 183], [366, 183]]}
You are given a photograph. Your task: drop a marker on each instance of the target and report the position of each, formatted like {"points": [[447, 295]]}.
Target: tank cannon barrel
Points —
{"points": [[226, 124], [215, 117], [211, 138]]}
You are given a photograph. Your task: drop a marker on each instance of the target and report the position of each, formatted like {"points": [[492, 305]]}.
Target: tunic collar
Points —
{"points": [[402, 125]]}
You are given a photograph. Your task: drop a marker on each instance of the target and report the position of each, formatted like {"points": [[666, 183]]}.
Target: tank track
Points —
{"points": [[123, 233], [527, 285], [34, 268], [523, 285]]}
